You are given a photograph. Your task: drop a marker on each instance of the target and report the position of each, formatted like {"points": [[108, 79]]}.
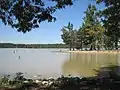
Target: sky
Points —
{"points": [[48, 32]]}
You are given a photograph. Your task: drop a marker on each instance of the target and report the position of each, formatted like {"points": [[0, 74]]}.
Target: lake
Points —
{"points": [[52, 63]]}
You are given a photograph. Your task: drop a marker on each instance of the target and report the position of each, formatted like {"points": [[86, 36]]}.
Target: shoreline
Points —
{"points": [[102, 51]]}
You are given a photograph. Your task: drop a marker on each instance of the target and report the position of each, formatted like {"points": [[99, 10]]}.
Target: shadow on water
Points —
{"points": [[111, 71]]}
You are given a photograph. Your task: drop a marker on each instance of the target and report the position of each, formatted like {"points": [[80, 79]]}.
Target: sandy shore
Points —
{"points": [[106, 51]]}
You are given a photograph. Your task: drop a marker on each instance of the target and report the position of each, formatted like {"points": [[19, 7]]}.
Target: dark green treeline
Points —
{"points": [[11, 45]]}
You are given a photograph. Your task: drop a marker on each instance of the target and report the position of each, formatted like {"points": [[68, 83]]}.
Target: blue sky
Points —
{"points": [[48, 32]]}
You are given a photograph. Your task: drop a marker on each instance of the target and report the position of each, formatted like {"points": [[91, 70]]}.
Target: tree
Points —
{"points": [[93, 30], [111, 20], [80, 38], [69, 35], [25, 15], [74, 38], [108, 43]]}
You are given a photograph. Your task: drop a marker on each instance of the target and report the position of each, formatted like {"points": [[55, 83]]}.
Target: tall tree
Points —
{"points": [[93, 29], [80, 39], [25, 15], [69, 35], [74, 38], [111, 20]]}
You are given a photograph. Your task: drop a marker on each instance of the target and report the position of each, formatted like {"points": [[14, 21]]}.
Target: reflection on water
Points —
{"points": [[84, 64], [52, 62]]}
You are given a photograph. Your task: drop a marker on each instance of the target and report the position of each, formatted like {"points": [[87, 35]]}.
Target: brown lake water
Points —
{"points": [[52, 63]]}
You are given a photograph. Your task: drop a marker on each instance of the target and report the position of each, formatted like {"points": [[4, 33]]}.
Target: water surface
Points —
{"points": [[86, 64], [52, 63]]}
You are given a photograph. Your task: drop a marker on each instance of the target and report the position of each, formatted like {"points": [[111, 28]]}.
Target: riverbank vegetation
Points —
{"points": [[99, 31]]}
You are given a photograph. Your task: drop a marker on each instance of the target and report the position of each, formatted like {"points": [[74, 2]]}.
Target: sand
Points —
{"points": [[105, 51]]}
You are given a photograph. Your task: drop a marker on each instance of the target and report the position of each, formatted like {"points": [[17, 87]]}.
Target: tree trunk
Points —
{"points": [[70, 47], [94, 47], [73, 48], [81, 46], [116, 44], [98, 47], [86, 47], [91, 48]]}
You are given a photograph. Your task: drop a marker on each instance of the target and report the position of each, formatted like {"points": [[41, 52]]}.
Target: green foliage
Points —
{"points": [[80, 39], [100, 29], [91, 32], [111, 20], [5, 81], [19, 77], [65, 36], [90, 35], [69, 35], [25, 15], [93, 29]]}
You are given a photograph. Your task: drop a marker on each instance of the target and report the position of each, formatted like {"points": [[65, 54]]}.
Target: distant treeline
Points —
{"points": [[11, 45]]}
